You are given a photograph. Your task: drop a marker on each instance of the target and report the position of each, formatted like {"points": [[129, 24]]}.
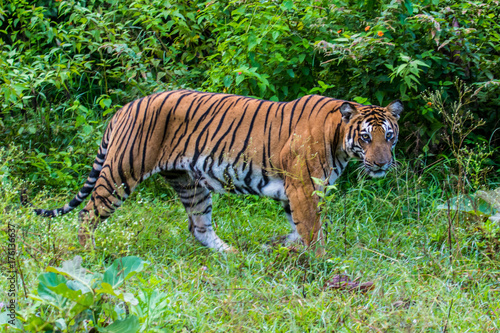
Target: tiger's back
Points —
{"points": [[229, 142], [205, 142]]}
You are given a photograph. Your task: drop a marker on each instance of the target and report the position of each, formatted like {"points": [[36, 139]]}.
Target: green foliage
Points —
{"points": [[67, 66], [69, 299], [413, 46], [265, 49]]}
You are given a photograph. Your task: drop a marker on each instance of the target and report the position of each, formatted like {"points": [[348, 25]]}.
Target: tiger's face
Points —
{"points": [[371, 134]]}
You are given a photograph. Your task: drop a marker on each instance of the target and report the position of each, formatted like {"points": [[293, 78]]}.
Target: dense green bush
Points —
{"points": [[66, 66], [413, 47]]}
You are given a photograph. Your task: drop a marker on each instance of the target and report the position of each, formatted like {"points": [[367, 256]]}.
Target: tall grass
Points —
{"points": [[387, 231]]}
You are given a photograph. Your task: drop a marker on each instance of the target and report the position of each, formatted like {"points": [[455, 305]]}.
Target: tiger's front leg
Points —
{"points": [[305, 215]]}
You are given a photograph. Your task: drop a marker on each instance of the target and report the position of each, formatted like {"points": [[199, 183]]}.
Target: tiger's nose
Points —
{"points": [[380, 164]]}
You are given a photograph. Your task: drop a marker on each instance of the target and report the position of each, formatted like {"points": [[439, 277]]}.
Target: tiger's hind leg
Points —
{"points": [[105, 199], [197, 201]]}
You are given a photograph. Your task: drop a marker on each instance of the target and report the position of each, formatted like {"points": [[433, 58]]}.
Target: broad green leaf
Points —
{"points": [[36, 324], [127, 325], [122, 269], [228, 80], [87, 129], [380, 96], [107, 111], [240, 79], [361, 100], [288, 4], [48, 280], [74, 270], [106, 288], [84, 299], [80, 120], [262, 87], [318, 181], [19, 88], [421, 63], [105, 103]]}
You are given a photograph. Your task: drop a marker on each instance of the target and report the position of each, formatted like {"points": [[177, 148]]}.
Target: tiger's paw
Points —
{"points": [[291, 239], [320, 251], [231, 249]]}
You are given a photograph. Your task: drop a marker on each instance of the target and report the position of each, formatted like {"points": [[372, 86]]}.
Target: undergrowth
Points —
{"points": [[426, 276]]}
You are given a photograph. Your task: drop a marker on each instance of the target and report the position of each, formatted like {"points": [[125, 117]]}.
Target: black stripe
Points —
{"points": [[249, 132], [206, 211]]}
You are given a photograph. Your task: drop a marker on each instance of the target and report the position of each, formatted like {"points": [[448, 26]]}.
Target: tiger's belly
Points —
{"points": [[244, 178]]}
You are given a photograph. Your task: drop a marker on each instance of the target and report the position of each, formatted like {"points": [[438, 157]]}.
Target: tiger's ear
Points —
{"points": [[348, 110], [395, 107]]}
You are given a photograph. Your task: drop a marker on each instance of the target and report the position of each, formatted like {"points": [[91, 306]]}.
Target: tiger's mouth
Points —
{"points": [[376, 171]]}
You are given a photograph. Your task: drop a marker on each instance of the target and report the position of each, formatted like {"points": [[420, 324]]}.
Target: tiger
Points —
{"points": [[204, 143]]}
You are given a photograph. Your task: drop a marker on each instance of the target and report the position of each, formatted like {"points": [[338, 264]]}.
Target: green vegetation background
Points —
{"points": [[67, 66]]}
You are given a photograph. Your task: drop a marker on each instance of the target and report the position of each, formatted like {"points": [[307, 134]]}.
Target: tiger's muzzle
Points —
{"points": [[378, 169]]}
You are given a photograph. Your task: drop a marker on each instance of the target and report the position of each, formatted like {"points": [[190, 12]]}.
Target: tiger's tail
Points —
{"points": [[89, 184]]}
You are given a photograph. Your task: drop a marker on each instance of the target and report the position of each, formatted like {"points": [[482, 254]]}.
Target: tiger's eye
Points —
{"points": [[389, 135], [365, 137]]}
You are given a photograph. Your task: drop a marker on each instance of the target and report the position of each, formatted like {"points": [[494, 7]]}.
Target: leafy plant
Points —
{"points": [[409, 71], [459, 123], [67, 66], [408, 48], [69, 298]]}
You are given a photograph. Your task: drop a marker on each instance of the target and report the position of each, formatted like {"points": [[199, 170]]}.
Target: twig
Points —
{"points": [[418, 208], [447, 319], [345, 228], [22, 278], [40, 251], [450, 225], [380, 254]]}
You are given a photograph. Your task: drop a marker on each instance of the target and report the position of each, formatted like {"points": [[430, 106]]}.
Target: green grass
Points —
{"points": [[386, 231]]}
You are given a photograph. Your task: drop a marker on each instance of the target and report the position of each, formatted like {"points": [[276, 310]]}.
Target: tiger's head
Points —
{"points": [[371, 134]]}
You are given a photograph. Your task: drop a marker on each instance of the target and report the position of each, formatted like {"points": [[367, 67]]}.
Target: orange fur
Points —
{"points": [[204, 142]]}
